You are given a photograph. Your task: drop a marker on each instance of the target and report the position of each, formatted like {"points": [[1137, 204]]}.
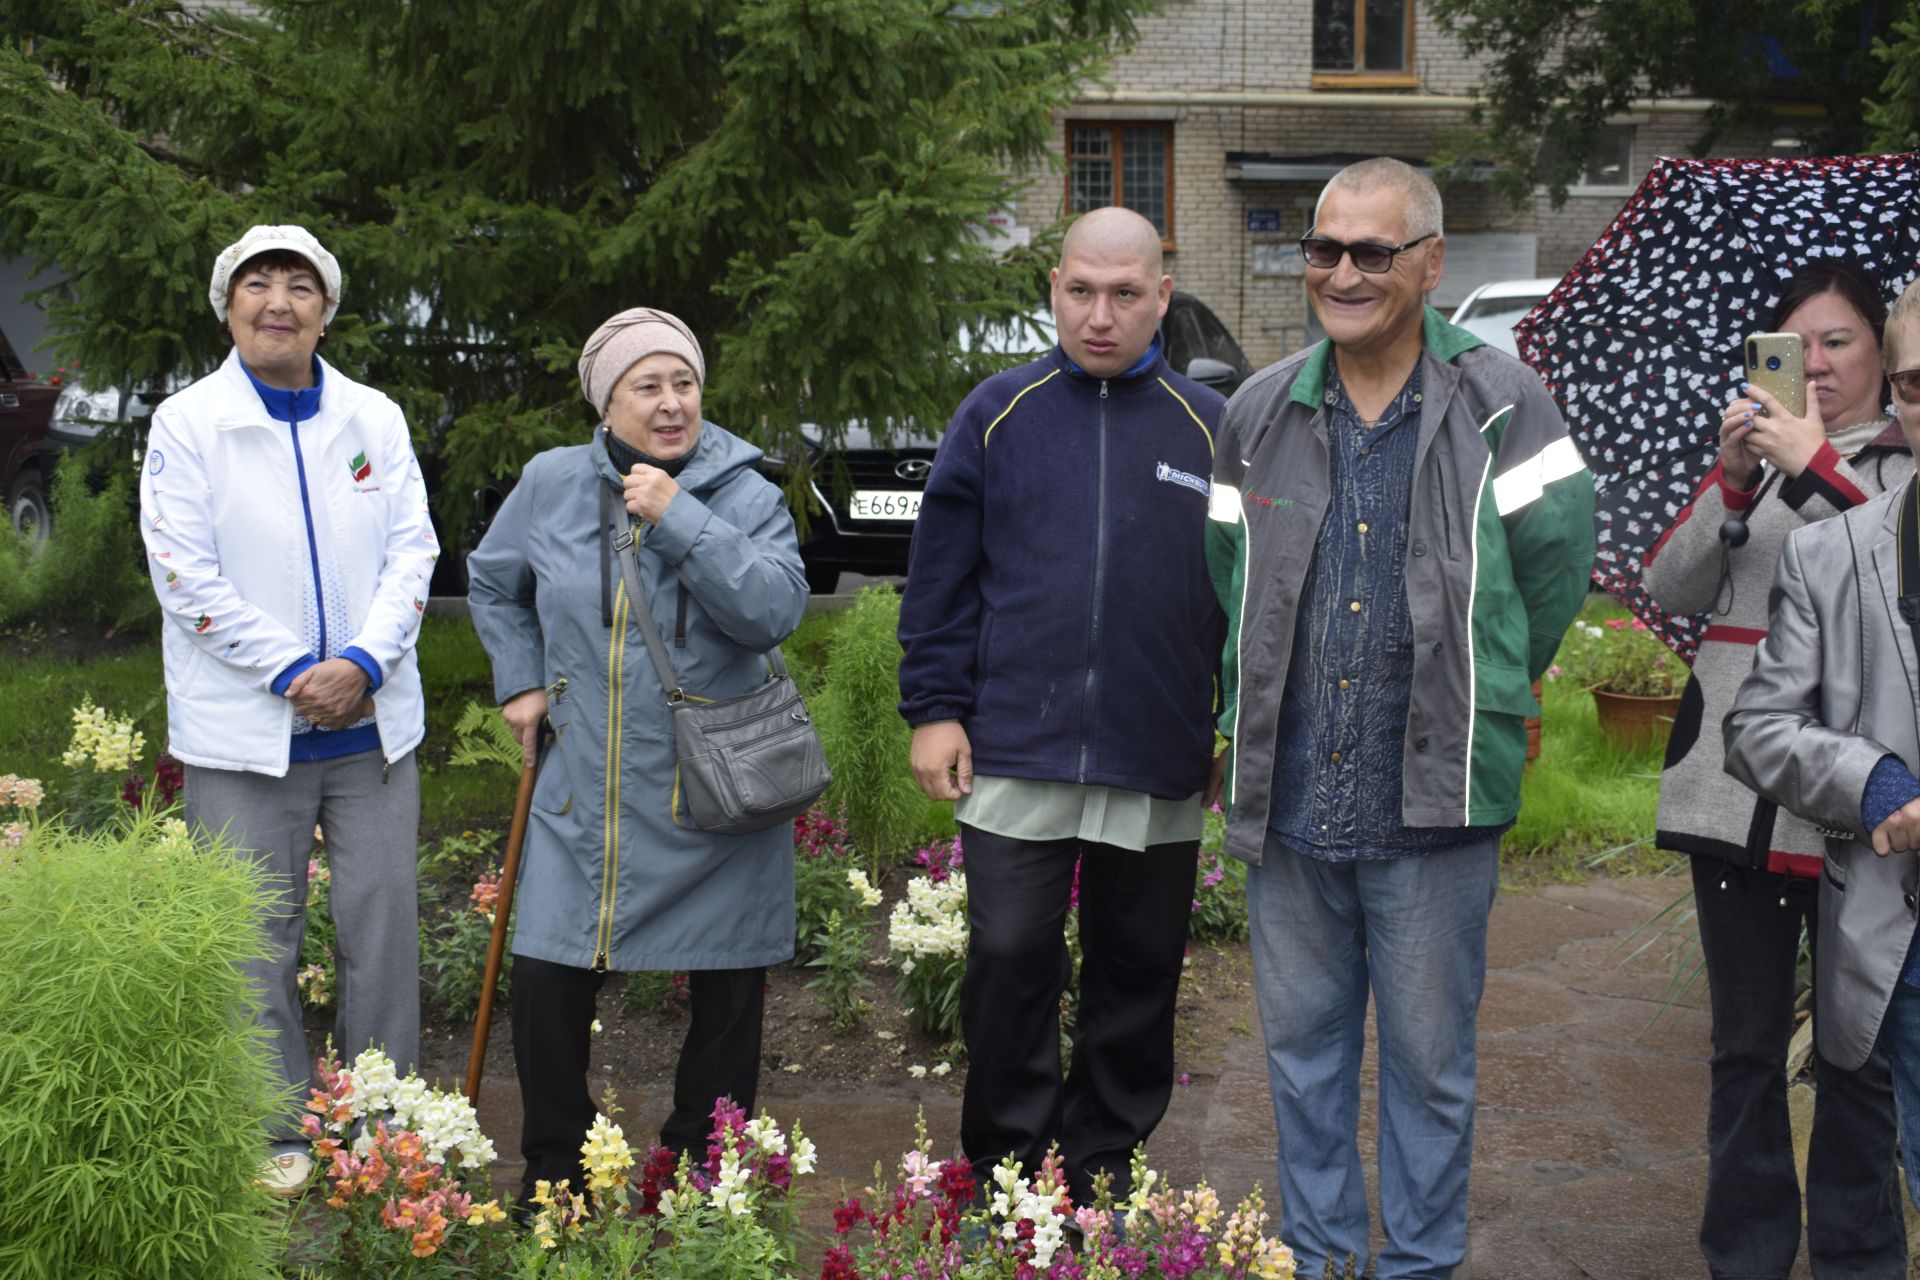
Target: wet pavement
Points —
{"points": [[1590, 1153]]}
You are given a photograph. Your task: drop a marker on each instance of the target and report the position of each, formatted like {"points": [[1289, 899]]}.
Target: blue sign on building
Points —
{"points": [[1263, 219]]}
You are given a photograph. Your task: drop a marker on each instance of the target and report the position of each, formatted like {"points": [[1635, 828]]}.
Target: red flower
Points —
{"points": [[848, 1216], [838, 1264]]}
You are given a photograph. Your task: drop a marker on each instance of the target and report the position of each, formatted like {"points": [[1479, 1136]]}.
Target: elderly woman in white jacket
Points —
{"points": [[287, 535]]}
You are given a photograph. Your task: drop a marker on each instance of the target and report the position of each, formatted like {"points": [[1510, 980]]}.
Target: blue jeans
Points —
{"points": [[1414, 931], [1900, 1037]]}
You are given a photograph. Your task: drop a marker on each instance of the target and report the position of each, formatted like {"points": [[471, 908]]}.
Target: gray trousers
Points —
{"points": [[370, 813]]}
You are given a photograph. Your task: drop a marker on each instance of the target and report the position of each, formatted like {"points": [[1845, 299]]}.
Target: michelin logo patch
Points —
{"points": [[1162, 471]]}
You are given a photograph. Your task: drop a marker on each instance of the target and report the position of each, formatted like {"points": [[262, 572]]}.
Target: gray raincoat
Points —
{"points": [[608, 878]]}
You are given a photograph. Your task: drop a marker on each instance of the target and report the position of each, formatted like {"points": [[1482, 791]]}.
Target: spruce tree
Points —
{"points": [[802, 180]]}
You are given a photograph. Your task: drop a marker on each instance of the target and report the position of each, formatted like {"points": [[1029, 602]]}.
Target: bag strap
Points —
{"points": [[1908, 545], [626, 549]]}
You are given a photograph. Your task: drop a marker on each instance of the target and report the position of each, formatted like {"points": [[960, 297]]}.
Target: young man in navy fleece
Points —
{"points": [[1061, 638]]}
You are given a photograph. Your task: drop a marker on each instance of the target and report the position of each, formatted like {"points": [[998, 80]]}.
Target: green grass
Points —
{"points": [[1584, 796], [454, 672], [37, 696], [1585, 802]]}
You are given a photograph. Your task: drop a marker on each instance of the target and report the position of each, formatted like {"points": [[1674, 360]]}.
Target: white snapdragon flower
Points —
{"points": [[863, 889], [763, 1133], [804, 1157], [729, 1190]]}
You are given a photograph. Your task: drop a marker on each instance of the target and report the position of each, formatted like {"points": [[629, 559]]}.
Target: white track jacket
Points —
{"points": [[224, 513]]}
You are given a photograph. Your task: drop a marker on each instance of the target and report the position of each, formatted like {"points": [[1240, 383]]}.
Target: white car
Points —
{"points": [[1491, 311]]}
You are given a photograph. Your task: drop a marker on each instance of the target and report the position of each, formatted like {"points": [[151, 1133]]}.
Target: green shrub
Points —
{"points": [[1219, 890], [459, 888], [648, 989], [866, 741], [806, 653], [134, 1086], [93, 567], [842, 963]]}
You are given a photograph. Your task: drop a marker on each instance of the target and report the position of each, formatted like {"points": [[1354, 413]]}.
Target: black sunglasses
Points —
{"points": [[1906, 385], [1374, 259]]}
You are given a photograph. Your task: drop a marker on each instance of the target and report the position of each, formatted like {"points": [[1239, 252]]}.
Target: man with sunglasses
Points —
{"points": [[1825, 727], [1401, 532]]}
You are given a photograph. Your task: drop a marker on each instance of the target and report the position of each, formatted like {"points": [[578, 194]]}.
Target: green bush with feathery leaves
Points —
{"points": [[134, 1083]]}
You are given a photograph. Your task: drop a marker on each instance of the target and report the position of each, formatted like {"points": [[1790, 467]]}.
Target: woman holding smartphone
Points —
{"points": [[1756, 868]]}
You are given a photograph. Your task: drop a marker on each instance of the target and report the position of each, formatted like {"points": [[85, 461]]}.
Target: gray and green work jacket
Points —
{"points": [[1499, 546]]}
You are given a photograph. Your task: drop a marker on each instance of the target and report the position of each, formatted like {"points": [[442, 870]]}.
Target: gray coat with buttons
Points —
{"points": [[610, 878], [1831, 693]]}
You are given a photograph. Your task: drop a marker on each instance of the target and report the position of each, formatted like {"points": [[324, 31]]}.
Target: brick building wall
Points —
{"points": [[1201, 48]]}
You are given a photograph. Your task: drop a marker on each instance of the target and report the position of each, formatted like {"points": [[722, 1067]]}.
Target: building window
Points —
{"points": [[1363, 37], [1130, 165], [1609, 168]]}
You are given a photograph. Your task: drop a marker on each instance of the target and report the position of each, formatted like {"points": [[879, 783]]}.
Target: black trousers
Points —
{"points": [[553, 1006], [1750, 925], [1134, 911]]}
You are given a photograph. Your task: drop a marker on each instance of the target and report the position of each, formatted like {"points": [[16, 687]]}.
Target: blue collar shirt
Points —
{"points": [[1338, 771]]}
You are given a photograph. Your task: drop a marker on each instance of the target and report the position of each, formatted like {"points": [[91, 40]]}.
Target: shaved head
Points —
{"points": [[1109, 291], [1111, 232]]}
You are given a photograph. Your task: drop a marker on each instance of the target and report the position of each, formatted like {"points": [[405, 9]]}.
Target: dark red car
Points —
{"points": [[28, 450]]}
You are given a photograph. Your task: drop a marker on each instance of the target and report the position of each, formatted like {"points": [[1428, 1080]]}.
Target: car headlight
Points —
{"points": [[83, 410]]}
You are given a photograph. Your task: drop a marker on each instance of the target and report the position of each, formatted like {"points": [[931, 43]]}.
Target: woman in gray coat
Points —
{"points": [[611, 879], [1756, 867]]}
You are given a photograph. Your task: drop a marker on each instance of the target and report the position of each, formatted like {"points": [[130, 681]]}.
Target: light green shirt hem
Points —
{"points": [[1024, 809]]}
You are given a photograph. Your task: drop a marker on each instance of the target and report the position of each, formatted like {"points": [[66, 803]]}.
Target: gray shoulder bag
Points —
{"points": [[745, 763]]}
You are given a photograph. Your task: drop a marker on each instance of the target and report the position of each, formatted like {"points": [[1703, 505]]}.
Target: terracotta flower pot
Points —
{"points": [[1635, 720]]}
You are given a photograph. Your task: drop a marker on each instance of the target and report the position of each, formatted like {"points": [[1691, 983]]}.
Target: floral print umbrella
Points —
{"points": [[1640, 343]]}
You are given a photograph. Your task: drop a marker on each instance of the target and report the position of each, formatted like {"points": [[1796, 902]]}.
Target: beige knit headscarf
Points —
{"points": [[627, 338]]}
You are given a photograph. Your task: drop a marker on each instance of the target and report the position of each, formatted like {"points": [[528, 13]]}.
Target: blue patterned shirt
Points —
{"points": [[1338, 774]]}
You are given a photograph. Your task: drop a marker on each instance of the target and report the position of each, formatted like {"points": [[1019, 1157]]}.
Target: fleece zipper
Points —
{"points": [[1099, 579]]}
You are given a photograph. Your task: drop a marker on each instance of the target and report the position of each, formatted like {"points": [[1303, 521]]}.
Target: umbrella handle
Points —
{"points": [[497, 945]]}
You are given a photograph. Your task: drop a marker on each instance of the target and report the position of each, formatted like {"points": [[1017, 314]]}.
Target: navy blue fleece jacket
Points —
{"points": [[1057, 601]]}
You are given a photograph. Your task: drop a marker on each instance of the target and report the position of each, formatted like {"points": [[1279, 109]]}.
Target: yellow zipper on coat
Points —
{"points": [[610, 857]]}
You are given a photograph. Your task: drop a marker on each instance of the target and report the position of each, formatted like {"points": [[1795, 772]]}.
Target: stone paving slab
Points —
{"points": [[1590, 1147]]}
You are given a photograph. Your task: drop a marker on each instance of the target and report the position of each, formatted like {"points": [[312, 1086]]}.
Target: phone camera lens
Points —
{"points": [[1773, 363]]}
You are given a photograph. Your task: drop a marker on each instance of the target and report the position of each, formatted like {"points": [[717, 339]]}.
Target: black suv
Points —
{"points": [[867, 495]]}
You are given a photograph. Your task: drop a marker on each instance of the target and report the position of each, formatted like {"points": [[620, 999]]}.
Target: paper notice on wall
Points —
{"points": [[1002, 230], [1278, 260]]}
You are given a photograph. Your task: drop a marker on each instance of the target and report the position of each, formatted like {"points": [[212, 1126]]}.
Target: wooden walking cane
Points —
{"points": [[502, 908]]}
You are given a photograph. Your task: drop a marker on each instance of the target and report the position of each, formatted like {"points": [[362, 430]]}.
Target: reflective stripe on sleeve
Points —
{"points": [[1522, 484]]}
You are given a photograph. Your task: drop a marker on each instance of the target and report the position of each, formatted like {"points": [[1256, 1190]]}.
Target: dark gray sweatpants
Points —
{"points": [[370, 813]]}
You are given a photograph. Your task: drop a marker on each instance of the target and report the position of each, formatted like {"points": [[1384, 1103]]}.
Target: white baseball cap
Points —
{"points": [[263, 239]]}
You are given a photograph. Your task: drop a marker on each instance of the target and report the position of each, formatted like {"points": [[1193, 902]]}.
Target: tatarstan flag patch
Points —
{"points": [[360, 467]]}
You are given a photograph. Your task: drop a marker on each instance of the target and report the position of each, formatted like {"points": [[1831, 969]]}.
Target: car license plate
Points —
{"points": [[886, 504]]}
